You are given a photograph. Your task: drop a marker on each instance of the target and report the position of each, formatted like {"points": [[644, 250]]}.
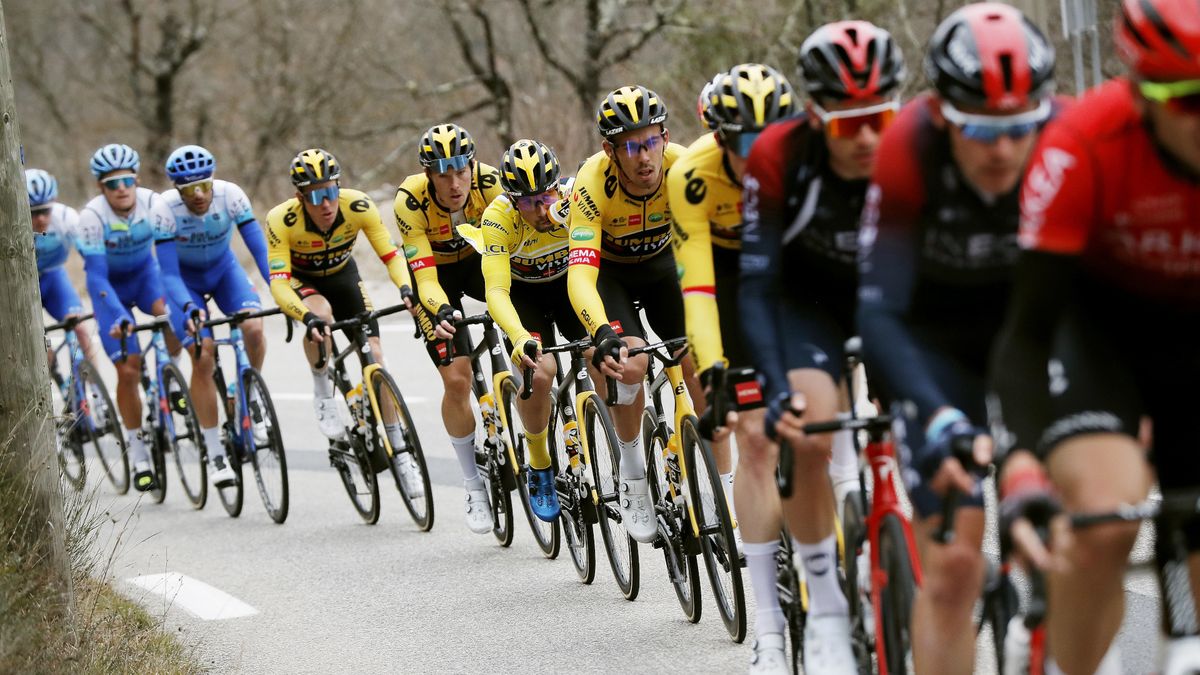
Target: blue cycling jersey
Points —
{"points": [[54, 245], [203, 240], [126, 241]]}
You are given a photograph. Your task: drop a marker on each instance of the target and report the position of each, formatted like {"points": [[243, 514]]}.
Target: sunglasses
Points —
{"points": [[456, 163], [1178, 97], [740, 143], [125, 180], [634, 148], [530, 202], [39, 210], [195, 187], [989, 128], [319, 195], [850, 122]]}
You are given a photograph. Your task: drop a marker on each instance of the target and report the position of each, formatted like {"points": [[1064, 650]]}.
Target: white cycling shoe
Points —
{"points": [[636, 512], [769, 657], [223, 476], [479, 511], [827, 649], [329, 420], [410, 478]]}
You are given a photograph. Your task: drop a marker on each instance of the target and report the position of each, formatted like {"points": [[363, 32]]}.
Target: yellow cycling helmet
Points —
{"points": [[528, 168], [629, 109], [446, 147], [314, 166]]}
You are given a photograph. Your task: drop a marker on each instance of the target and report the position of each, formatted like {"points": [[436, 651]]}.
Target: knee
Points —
{"points": [[1104, 548], [204, 362], [953, 576], [543, 377], [253, 331], [128, 370], [457, 380], [758, 458]]}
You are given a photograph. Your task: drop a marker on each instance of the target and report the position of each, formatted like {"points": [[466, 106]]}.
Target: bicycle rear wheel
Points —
{"points": [[605, 455], [853, 536], [101, 426], [791, 601], [576, 498], [233, 497], [418, 497], [354, 468], [717, 541], [499, 496], [682, 568], [897, 594], [546, 534], [183, 434], [268, 460], [158, 458]]}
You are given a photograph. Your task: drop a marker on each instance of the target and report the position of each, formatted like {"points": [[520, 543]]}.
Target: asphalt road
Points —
{"points": [[325, 593]]}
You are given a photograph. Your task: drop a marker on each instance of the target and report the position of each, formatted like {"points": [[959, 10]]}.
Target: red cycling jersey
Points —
{"points": [[1101, 189]]}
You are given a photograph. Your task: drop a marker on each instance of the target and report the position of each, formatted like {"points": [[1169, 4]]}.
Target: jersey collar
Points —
{"points": [[310, 226]]}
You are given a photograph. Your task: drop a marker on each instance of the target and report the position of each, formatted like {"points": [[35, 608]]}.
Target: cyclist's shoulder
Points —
{"points": [[1105, 114], [358, 208], [704, 156], [61, 213], [284, 214], [172, 199], [487, 180], [501, 212], [672, 153]]}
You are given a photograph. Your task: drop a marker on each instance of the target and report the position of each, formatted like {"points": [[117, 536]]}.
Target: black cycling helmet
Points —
{"points": [[749, 97], [989, 55], [446, 141], [851, 61], [629, 109], [528, 168], [314, 166]]}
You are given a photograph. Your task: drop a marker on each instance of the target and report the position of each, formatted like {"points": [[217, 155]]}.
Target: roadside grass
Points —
{"points": [[87, 628]]}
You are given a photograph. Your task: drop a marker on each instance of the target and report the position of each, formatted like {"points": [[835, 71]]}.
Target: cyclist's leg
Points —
{"points": [[129, 394], [617, 285], [725, 268], [534, 308]]}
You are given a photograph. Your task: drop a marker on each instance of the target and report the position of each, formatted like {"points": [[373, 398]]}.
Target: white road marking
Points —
{"points": [[307, 396], [194, 596]]}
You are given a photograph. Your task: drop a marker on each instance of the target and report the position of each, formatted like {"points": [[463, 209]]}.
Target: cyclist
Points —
{"points": [[705, 192], [54, 230], [452, 190], [117, 229], [805, 183], [314, 277], [619, 213], [938, 241], [206, 211], [524, 267], [1110, 276]]}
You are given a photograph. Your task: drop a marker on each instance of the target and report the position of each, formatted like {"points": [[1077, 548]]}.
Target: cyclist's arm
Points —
{"points": [[381, 241], [280, 256], [692, 240], [583, 262], [95, 266], [498, 241], [163, 222], [411, 221], [242, 213]]}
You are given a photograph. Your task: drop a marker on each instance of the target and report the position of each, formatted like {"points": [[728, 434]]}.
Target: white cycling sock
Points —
{"points": [[212, 442], [1109, 665], [464, 449], [844, 464], [760, 562], [136, 447], [633, 465], [820, 568], [727, 482], [322, 385], [395, 434]]}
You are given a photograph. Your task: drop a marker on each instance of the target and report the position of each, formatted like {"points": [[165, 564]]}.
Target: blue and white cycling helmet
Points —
{"points": [[114, 157], [189, 164], [41, 186]]}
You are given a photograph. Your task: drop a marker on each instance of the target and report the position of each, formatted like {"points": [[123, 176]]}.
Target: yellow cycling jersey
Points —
{"points": [[295, 244], [428, 229], [514, 250], [608, 223], [706, 201]]}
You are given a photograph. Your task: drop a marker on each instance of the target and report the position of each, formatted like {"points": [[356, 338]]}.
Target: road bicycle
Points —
{"points": [[250, 429], [87, 415], [367, 448]]}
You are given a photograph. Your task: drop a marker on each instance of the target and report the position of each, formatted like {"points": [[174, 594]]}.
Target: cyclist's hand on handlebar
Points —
{"points": [[611, 352], [315, 328], [407, 297], [1031, 515], [712, 429], [122, 328], [196, 316], [444, 322], [525, 354], [785, 417], [941, 461]]}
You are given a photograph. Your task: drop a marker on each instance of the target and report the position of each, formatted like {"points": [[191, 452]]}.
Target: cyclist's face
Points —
{"points": [[322, 214], [198, 198], [850, 157], [536, 210], [41, 219], [452, 187], [121, 197], [1176, 132], [639, 154], [993, 168]]}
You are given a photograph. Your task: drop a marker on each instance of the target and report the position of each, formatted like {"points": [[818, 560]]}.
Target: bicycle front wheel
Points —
{"points": [[682, 568], [897, 594], [268, 459], [354, 468], [412, 480], [183, 434], [101, 425], [792, 600], [711, 510], [605, 455], [546, 534], [578, 512]]}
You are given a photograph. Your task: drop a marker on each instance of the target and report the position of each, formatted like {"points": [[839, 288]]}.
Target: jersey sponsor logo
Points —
{"points": [[360, 205], [284, 276], [696, 190], [747, 393], [119, 227], [411, 203], [656, 217], [582, 234], [497, 249], [584, 256], [1042, 185], [289, 218], [422, 263], [679, 270], [277, 264], [616, 325], [489, 179], [410, 251], [635, 219], [610, 186]]}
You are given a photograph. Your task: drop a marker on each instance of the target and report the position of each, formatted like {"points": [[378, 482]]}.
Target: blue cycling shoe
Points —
{"points": [[543, 498]]}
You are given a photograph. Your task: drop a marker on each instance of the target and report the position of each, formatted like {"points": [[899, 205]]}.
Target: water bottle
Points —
{"points": [[571, 438], [1016, 647]]}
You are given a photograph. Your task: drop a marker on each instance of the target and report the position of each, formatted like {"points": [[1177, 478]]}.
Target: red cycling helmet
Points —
{"points": [[851, 61], [989, 55], [1160, 39]]}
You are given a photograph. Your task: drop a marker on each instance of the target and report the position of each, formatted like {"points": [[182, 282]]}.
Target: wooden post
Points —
{"points": [[29, 475]]}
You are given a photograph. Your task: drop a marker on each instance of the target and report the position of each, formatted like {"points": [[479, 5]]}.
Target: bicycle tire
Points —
{"points": [[68, 434], [791, 601], [575, 495], [1001, 603], [114, 457], [717, 542], [499, 496], [353, 465], [545, 534], [269, 461], [158, 460], [183, 434], [853, 534], [683, 570], [388, 396], [896, 596], [621, 548], [233, 498]]}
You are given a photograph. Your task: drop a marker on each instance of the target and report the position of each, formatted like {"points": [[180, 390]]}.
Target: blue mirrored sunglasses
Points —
{"points": [[635, 148], [456, 163], [116, 182], [989, 128], [533, 201], [745, 141], [321, 194]]}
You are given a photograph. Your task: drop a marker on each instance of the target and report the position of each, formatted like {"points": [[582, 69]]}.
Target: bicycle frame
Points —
{"points": [[578, 380], [677, 469], [242, 433], [70, 342], [495, 417], [159, 417]]}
